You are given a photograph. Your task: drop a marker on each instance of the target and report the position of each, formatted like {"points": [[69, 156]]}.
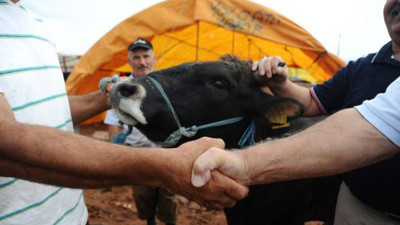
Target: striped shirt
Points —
{"points": [[32, 83]]}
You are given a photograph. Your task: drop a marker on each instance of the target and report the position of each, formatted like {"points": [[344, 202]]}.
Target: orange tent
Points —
{"points": [[200, 30]]}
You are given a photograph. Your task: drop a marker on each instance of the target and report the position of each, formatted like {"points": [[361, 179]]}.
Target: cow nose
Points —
{"points": [[127, 89]]}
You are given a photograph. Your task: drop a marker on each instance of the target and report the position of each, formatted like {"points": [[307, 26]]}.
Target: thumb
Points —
{"points": [[103, 84], [204, 164]]}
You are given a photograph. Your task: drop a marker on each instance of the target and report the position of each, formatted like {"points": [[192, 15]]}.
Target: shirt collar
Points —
{"points": [[384, 53]]}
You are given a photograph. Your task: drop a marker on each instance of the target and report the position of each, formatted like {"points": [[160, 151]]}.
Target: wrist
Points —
{"points": [[283, 88], [103, 101], [147, 167], [244, 173]]}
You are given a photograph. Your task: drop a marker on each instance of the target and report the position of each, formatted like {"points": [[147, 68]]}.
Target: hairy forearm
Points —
{"points": [[12, 168], [86, 106], [40, 151], [343, 142]]}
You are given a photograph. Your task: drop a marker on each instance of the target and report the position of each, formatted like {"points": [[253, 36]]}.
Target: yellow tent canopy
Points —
{"points": [[202, 30]]}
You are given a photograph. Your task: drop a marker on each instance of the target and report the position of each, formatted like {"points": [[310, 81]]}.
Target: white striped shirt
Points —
{"points": [[32, 82]]}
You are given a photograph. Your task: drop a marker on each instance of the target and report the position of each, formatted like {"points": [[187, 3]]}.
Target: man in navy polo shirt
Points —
{"points": [[376, 186]]}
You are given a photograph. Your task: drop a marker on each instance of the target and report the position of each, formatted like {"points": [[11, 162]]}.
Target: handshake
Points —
{"points": [[217, 179]]}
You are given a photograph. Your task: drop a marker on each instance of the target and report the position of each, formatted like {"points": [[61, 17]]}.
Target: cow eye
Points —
{"points": [[219, 84]]}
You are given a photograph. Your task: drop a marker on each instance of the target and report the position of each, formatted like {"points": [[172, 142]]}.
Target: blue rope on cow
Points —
{"points": [[191, 131], [175, 136], [165, 96], [247, 138]]}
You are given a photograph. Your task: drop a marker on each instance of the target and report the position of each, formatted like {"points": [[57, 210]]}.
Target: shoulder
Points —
{"points": [[364, 61], [381, 57], [383, 112]]}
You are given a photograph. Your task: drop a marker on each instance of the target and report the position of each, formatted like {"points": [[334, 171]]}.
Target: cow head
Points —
{"points": [[200, 93]]}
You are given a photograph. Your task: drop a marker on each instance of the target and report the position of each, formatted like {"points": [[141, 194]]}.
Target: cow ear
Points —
{"points": [[280, 110]]}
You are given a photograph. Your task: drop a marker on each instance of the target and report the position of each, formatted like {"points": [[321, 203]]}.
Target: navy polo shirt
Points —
{"points": [[377, 185]]}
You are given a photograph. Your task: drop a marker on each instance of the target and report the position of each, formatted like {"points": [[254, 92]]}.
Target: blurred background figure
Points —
{"points": [[150, 201]]}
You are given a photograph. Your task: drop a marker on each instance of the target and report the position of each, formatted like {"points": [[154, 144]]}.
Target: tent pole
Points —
{"points": [[197, 40], [64, 63], [248, 48], [233, 41]]}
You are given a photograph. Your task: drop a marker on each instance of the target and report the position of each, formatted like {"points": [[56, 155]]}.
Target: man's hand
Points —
{"points": [[219, 192], [229, 163], [106, 84], [269, 67]]}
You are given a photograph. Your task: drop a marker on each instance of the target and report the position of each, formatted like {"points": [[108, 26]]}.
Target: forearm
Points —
{"points": [[11, 168], [343, 142], [79, 158], [84, 107], [300, 93]]}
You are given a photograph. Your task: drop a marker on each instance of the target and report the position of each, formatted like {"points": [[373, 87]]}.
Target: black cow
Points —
{"points": [[222, 99]]}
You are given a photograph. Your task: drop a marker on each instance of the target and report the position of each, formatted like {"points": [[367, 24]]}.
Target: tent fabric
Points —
{"points": [[203, 30]]}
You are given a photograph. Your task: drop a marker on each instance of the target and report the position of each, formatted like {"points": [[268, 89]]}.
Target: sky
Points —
{"points": [[347, 28]]}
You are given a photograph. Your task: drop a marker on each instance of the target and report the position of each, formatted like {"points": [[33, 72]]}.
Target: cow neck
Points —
{"points": [[175, 136]]}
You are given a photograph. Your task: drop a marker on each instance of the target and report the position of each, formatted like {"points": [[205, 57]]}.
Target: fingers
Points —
{"points": [[204, 164], [196, 206], [182, 199], [193, 205], [103, 84], [263, 67], [106, 83], [211, 142], [220, 192], [233, 189], [114, 80], [274, 64], [268, 66]]}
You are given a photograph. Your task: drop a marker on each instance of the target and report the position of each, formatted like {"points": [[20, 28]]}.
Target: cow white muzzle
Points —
{"points": [[126, 99]]}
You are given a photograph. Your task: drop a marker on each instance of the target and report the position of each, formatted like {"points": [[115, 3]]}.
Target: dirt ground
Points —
{"points": [[116, 205]]}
